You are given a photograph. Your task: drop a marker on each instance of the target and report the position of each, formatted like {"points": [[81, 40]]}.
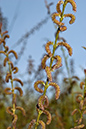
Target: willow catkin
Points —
{"points": [[72, 2], [39, 82], [57, 89], [54, 15], [65, 45], [72, 18]]}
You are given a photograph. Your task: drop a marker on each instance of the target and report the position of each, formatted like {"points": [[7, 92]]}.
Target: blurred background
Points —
{"points": [[23, 25], [30, 26]]}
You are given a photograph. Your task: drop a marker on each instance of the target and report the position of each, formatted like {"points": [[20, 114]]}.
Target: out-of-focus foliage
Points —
{"points": [[61, 109]]}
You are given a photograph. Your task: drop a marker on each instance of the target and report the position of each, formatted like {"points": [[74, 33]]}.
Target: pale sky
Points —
{"points": [[23, 15]]}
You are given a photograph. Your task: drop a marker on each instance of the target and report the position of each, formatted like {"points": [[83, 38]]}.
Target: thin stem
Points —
{"points": [[39, 114]]}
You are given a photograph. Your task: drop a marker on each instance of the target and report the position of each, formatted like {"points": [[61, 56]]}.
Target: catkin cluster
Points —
{"points": [[11, 90], [54, 62], [81, 99], [50, 62]]}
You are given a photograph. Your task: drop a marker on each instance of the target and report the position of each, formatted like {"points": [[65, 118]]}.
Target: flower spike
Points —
{"points": [[6, 90], [48, 72], [75, 111], [57, 88], [65, 45], [6, 36], [9, 127], [58, 62], [43, 102], [54, 15], [20, 108], [42, 124], [31, 124], [3, 52], [5, 60], [36, 85], [11, 63], [43, 63], [9, 110], [15, 69], [14, 120], [72, 2], [63, 28], [15, 54], [82, 84], [48, 116], [71, 16], [20, 90], [48, 49], [8, 76], [18, 80], [79, 126], [58, 6], [78, 98]]}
